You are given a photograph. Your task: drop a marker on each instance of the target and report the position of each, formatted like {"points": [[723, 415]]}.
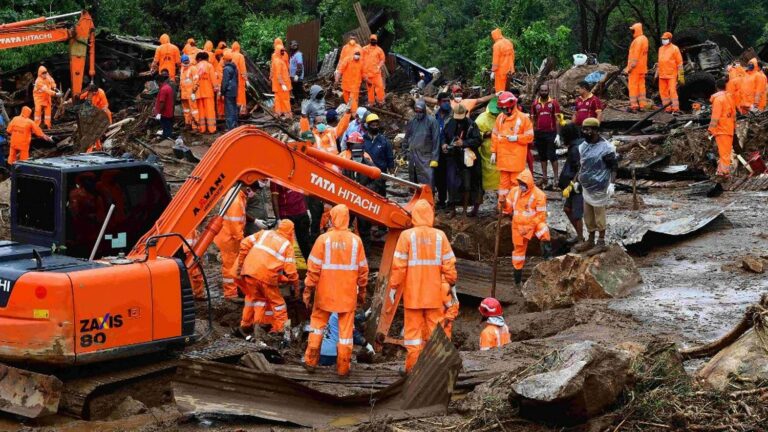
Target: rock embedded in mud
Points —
{"points": [[566, 279], [752, 264], [574, 384], [744, 361], [128, 407]]}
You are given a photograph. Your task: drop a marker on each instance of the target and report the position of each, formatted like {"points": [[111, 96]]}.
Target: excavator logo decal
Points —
{"points": [[350, 196], [212, 190], [88, 326], [24, 39]]}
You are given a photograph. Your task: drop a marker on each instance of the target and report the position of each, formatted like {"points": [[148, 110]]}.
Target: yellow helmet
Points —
{"points": [[371, 118]]}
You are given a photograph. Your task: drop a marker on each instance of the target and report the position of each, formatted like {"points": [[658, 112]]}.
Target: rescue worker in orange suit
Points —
{"points": [[350, 72], [188, 102], [511, 136], [326, 135], [337, 277], [373, 62], [283, 55], [349, 48], [228, 241], [21, 128], [670, 73], [253, 299], [527, 205], [281, 83], [217, 69], [423, 261], [503, 63], [736, 75], [451, 304], [221, 59], [268, 263], [496, 333], [195, 275], [242, 74], [753, 88], [637, 67], [167, 57], [203, 93], [44, 90], [98, 99], [190, 48], [722, 126]]}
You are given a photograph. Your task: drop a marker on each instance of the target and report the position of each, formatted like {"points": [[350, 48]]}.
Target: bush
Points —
{"points": [[258, 33]]}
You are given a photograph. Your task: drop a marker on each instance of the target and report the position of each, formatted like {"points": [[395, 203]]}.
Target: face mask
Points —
{"points": [[523, 187], [508, 110], [321, 127], [420, 115], [750, 67], [357, 57], [445, 106], [373, 130], [374, 43], [458, 98], [665, 41], [250, 193], [264, 183]]}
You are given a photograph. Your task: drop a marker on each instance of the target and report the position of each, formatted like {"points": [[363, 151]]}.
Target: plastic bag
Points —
{"points": [[595, 175], [469, 157]]}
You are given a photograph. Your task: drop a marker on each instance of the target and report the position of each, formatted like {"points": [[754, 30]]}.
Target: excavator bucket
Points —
{"points": [[28, 394]]}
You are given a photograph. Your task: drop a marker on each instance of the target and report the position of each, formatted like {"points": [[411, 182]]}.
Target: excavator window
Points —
{"points": [[36, 201]]}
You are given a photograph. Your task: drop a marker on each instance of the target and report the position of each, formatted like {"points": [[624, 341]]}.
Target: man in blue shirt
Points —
{"points": [[296, 69], [331, 338], [379, 149]]}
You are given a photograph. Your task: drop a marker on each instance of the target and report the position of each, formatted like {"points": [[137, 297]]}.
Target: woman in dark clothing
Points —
{"points": [[461, 141], [574, 201]]}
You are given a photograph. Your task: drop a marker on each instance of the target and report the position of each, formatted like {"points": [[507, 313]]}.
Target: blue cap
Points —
{"points": [[331, 115], [184, 58]]}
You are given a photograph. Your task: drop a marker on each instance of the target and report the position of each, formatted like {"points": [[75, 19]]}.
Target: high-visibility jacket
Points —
{"points": [[205, 77], [529, 207], [670, 61], [239, 60], [188, 81], [423, 260], [285, 57], [279, 72], [271, 259], [348, 51], [21, 128], [494, 336], [337, 269], [326, 140], [762, 90], [44, 88], [167, 56], [208, 47], [373, 60], [723, 114], [234, 219], [351, 71], [503, 54], [637, 60], [736, 75], [511, 156], [752, 86]]}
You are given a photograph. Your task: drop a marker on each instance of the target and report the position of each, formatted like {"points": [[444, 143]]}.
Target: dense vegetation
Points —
{"points": [[450, 34]]}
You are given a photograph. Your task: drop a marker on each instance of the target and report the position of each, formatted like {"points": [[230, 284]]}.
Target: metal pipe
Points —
{"points": [[101, 233], [403, 182], [38, 20], [231, 198], [66, 15]]}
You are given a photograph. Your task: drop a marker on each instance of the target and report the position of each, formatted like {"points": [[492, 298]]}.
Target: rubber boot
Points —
{"points": [[585, 246], [518, 278], [546, 250]]}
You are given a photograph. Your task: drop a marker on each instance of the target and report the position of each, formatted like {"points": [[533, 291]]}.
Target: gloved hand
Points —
{"points": [[754, 109], [284, 87], [493, 158], [611, 190], [369, 349], [512, 138], [307, 297], [433, 164], [680, 77], [567, 191], [576, 187], [260, 223], [295, 78], [157, 117], [557, 140], [193, 97], [493, 75]]}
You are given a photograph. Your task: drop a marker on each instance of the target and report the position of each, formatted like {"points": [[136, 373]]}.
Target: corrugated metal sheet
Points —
{"points": [[208, 389], [308, 36], [757, 183]]}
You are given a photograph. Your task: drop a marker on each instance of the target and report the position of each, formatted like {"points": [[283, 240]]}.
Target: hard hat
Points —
{"points": [[371, 118], [490, 307], [590, 122], [355, 138], [506, 99], [184, 58]]}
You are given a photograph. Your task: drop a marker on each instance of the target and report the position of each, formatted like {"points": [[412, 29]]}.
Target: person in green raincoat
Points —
{"points": [[485, 123]]}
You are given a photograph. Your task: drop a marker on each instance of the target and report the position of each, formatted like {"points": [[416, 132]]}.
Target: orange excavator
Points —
{"points": [[42, 30], [58, 310]]}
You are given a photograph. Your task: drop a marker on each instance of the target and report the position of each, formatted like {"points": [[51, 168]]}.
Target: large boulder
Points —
{"points": [[568, 80], [566, 279], [573, 385], [745, 360]]}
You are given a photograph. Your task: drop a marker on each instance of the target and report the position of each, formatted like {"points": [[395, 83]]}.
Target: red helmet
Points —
{"points": [[490, 307], [506, 100], [456, 88], [355, 138]]}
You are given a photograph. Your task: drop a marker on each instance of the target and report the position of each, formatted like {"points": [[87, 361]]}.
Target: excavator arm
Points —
{"points": [[36, 31]]}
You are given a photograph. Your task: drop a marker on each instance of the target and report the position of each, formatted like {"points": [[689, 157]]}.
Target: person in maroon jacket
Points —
{"points": [[587, 104], [164, 105], [546, 127]]}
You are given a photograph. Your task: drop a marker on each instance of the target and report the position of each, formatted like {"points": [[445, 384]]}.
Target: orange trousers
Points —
{"points": [[196, 279], [229, 252], [191, 114], [668, 93], [283, 102], [500, 82], [507, 179], [375, 86], [636, 83], [350, 98], [258, 311], [521, 242], [317, 324], [43, 112], [219, 107], [449, 317], [241, 91], [419, 325], [18, 153], [205, 107], [725, 150]]}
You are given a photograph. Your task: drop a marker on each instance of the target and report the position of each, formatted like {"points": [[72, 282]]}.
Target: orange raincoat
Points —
{"points": [[167, 57], [529, 216], [228, 242], [44, 89], [637, 66], [511, 155], [503, 62], [21, 128]]}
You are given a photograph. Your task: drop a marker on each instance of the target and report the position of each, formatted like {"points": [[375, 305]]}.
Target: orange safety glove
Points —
{"points": [[307, 297]]}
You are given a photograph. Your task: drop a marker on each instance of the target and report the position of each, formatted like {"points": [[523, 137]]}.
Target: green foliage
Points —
{"points": [[258, 33], [538, 41]]}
